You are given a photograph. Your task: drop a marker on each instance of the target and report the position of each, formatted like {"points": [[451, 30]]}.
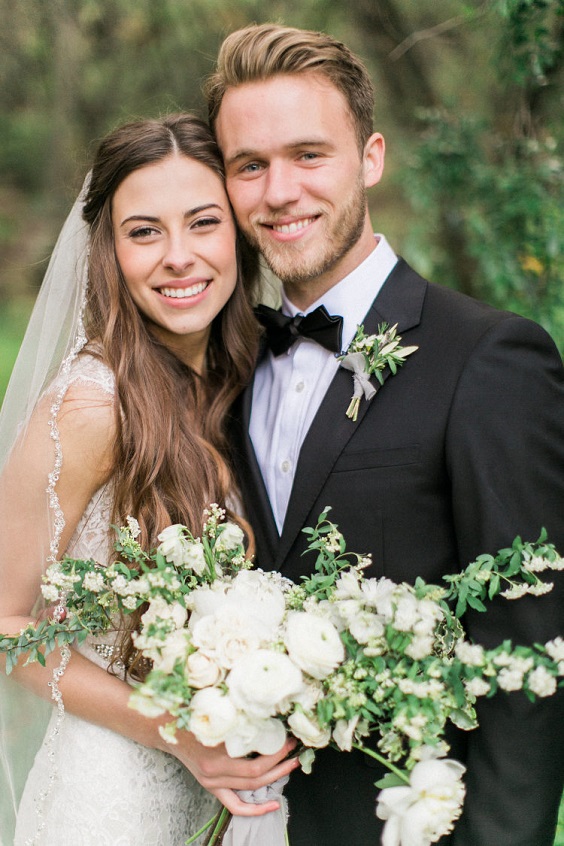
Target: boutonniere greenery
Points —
{"points": [[370, 355]]}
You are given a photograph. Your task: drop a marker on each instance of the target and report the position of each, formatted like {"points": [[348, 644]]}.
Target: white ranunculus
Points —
{"points": [[230, 538], [173, 649], [308, 730], [202, 671], [265, 736], [424, 811], [159, 608], [313, 643], [262, 683], [213, 716], [310, 694]]}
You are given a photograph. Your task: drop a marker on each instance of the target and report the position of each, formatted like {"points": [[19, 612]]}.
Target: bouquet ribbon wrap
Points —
{"points": [[268, 830]]}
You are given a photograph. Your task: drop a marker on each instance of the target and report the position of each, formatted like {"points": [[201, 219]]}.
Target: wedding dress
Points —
{"points": [[88, 785]]}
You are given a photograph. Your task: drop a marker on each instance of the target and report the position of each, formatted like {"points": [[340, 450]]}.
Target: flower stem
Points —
{"points": [[391, 767]]}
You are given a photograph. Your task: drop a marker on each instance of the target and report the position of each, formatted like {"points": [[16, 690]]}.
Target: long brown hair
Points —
{"points": [[170, 457]]}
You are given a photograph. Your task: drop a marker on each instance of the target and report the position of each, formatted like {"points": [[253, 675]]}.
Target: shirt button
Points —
{"points": [[299, 387], [285, 466]]}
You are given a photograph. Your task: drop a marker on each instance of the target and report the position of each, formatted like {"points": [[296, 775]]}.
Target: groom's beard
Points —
{"points": [[336, 234]]}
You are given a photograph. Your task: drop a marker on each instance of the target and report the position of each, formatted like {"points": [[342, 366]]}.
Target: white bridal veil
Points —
{"points": [[54, 337]]}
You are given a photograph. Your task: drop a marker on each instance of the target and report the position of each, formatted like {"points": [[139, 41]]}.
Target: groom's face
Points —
{"points": [[297, 180]]}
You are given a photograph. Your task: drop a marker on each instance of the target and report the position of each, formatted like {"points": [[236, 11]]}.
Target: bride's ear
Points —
{"points": [[373, 159]]}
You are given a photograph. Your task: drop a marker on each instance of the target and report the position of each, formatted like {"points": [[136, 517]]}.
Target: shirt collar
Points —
{"points": [[353, 295]]}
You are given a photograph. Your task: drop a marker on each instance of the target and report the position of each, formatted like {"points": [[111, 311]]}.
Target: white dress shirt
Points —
{"points": [[288, 389]]}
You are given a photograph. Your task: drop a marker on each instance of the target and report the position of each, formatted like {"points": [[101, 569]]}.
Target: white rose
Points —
{"points": [[424, 811], [202, 671], [308, 730], [262, 683], [213, 716], [230, 538], [313, 643], [265, 736]]}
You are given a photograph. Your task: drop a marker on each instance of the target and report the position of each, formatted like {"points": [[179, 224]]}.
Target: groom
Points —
{"points": [[456, 454]]}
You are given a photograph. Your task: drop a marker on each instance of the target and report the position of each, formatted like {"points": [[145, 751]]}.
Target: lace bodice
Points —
{"points": [[104, 789]]}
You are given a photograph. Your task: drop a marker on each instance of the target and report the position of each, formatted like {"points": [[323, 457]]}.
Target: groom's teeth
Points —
{"points": [[179, 293], [292, 227]]}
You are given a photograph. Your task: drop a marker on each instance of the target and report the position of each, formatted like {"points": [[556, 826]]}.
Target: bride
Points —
{"points": [[140, 340]]}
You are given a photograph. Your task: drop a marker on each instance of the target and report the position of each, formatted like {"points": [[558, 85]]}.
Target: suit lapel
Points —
{"points": [[256, 503], [399, 301]]}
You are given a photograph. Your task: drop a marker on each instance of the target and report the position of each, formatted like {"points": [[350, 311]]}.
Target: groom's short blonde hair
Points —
{"points": [[262, 51]]}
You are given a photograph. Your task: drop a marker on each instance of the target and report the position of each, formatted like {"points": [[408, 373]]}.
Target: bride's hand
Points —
{"points": [[222, 775]]}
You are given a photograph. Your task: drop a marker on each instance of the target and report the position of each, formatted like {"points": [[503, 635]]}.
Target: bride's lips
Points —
{"points": [[183, 291]]}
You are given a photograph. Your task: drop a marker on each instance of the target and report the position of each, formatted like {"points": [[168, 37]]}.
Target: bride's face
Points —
{"points": [[175, 243]]}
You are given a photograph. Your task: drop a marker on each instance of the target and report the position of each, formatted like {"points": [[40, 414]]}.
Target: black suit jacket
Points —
{"points": [[457, 453]]}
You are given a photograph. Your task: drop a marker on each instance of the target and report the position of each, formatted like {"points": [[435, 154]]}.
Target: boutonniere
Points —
{"points": [[369, 355]]}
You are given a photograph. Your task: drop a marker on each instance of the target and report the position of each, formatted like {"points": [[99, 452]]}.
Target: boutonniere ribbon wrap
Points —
{"points": [[370, 355]]}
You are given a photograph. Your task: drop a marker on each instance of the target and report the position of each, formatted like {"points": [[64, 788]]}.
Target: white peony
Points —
{"points": [[307, 729], [213, 716], [263, 683], [228, 635], [424, 811], [313, 643]]}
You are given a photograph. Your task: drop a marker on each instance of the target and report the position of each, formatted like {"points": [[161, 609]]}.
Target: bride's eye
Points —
{"points": [[143, 232], [205, 222]]}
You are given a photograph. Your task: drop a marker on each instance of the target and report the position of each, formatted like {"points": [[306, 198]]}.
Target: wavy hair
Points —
{"points": [[170, 455], [261, 51]]}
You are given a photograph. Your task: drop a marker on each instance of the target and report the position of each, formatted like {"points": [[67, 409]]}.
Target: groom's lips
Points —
{"points": [[290, 229]]}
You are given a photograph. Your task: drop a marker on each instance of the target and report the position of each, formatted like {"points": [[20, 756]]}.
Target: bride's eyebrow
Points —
{"points": [[189, 213]]}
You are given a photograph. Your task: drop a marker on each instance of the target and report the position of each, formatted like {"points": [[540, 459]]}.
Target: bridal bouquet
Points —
{"points": [[243, 657]]}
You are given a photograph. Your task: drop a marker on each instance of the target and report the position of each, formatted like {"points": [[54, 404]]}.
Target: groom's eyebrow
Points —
{"points": [[300, 144]]}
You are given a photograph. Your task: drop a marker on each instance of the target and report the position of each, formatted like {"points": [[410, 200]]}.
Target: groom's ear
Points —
{"points": [[373, 159]]}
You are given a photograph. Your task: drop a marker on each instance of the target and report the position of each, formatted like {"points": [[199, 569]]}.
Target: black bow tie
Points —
{"points": [[282, 331]]}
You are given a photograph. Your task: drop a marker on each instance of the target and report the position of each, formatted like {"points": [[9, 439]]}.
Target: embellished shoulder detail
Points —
{"points": [[88, 368]]}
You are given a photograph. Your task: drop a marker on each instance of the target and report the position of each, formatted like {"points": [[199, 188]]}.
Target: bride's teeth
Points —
{"points": [[179, 293], [292, 227]]}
